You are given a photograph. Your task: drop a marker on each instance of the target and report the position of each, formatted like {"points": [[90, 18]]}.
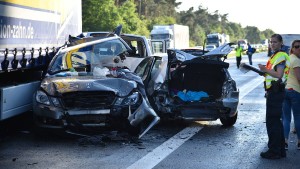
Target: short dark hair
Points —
{"points": [[278, 37]]}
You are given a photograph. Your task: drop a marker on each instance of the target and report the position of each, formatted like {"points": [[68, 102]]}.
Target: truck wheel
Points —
{"points": [[229, 121]]}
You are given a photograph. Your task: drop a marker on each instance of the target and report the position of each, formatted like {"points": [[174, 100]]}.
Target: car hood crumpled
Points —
{"points": [[221, 51], [60, 85]]}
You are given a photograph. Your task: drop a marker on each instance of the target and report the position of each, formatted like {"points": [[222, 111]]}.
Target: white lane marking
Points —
{"points": [[252, 101], [247, 88], [161, 152]]}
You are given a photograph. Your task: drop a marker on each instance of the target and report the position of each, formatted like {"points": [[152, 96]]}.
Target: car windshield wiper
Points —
{"points": [[58, 71], [86, 68]]}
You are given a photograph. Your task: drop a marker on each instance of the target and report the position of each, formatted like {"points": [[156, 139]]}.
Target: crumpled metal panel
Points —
{"points": [[159, 77], [122, 85], [144, 110], [232, 101], [58, 85], [221, 50]]}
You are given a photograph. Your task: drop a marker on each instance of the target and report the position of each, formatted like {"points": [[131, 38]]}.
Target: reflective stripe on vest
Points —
{"points": [[273, 61]]}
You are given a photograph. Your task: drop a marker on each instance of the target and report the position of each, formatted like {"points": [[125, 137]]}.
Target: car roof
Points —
{"points": [[87, 43], [105, 33]]}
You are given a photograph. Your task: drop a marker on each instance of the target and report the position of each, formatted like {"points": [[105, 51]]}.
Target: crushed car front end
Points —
{"points": [[78, 102], [88, 88]]}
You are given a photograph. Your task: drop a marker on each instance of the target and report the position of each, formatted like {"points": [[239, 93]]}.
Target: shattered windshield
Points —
{"points": [[101, 54]]}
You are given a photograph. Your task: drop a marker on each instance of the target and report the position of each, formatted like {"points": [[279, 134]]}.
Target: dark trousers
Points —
{"points": [[273, 121], [250, 58], [238, 61]]}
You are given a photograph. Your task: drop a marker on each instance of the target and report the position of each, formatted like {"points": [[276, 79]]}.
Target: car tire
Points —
{"points": [[229, 121]]}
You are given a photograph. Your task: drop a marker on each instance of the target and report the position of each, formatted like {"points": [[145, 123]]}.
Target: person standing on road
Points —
{"points": [[276, 72], [249, 53], [238, 54], [292, 94]]}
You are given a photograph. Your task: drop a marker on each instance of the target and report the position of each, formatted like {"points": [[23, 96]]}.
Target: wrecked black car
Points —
{"points": [[185, 86], [87, 86]]}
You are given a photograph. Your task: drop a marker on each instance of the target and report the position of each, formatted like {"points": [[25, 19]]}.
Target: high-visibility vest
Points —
{"points": [[274, 60], [239, 51]]}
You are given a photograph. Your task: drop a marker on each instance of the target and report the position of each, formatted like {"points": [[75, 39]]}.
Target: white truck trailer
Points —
{"points": [[217, 39], [172, 36], [30, 32]]}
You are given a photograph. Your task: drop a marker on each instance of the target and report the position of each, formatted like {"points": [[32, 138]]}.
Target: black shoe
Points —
{"points": [[298, 146], [286, 146], [269, 155]]}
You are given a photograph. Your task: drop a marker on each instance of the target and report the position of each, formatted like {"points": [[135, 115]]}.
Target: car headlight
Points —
{"points": [[130, 100], [41, 97]]}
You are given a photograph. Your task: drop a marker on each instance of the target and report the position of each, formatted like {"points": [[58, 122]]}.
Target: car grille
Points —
{"points": [[89, 119], [88, 100]]}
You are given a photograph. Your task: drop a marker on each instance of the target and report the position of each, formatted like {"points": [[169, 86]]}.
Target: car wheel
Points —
{"points": [[229, 121]]}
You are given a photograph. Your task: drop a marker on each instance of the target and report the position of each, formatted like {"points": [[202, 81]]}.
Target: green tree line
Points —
{"points": [[139, 16]]}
